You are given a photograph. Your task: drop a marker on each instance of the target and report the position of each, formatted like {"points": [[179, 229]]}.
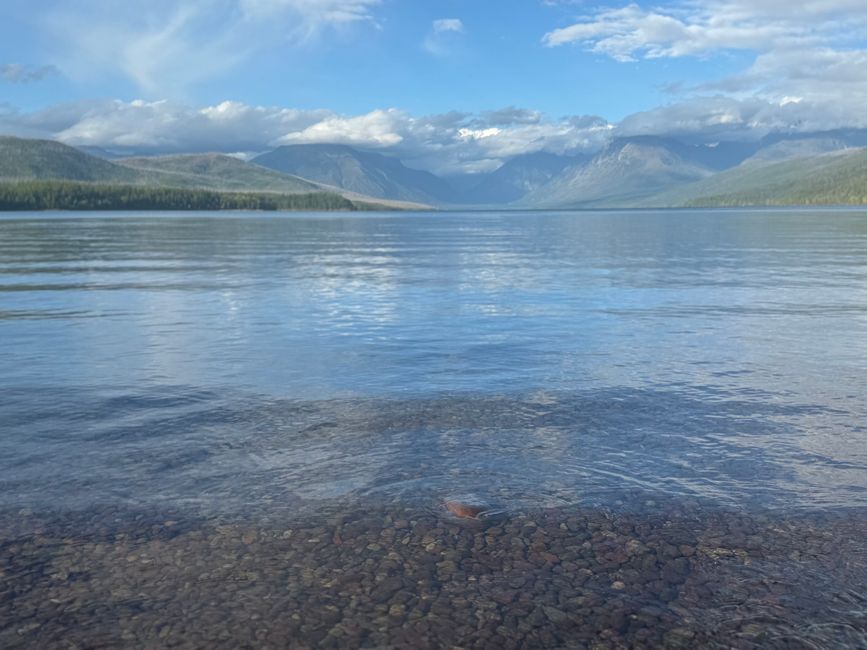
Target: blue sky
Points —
{"points": [[426, 80], [497, 58]]}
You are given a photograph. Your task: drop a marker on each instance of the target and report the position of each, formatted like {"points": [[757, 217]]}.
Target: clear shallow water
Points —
{"points": [[240, 430], [276, 363]]}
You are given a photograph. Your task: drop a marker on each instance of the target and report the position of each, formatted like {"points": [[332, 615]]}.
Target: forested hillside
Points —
{"points": [[61, 195]]}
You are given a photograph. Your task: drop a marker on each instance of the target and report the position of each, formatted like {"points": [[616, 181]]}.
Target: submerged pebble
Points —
{"points": [[405, 577]]}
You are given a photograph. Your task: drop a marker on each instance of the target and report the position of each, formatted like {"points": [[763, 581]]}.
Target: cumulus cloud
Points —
{"points": [[161, 126], [164, 46], [478, 134], [22, 73], [714, 118], [375, 129], [446, 143]]}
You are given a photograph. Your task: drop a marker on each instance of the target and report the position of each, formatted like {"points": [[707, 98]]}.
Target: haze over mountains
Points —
{"points": [[371, 174], [642, 171]]}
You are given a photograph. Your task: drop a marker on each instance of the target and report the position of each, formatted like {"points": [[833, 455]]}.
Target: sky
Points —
{"points": [[452, 86]]}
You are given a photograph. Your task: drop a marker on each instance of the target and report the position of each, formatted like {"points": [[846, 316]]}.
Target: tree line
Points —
{"points": [[64, 195]]}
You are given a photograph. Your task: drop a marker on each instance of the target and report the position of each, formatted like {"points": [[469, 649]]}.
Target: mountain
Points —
{"points": [[796, 148], [24, 159], [782, 169], [837, 178], [624, 173], [46, 161], [367, 173], [218, 171], [516, 178], [652, 171], [784, 146]]}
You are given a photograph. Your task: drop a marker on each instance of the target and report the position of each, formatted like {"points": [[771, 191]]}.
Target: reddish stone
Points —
{"points": [[463, 510]]}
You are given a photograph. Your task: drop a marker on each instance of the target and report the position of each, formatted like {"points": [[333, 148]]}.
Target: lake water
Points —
{"points": [[278, 369]]}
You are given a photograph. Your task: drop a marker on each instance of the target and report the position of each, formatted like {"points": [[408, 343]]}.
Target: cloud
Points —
{"points": [[22, 73], [820, 73], [164, 46], [444, 37], [478, 134], [375, 129], [710, 119], [699, 27], [446, 143], [629, 33], [448, 25], [512, 115], [321, 11], [162, 126], [308, 18], [816, 50]]}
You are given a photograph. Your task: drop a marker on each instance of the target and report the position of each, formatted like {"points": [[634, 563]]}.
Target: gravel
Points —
{"points": [[408, 576]]}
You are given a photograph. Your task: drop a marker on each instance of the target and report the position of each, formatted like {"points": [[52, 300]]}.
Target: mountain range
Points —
{"points": [[642, 171], [46, 160]]}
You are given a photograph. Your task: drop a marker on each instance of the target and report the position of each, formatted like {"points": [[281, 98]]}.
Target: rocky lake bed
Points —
{"points": [[408, 576]]}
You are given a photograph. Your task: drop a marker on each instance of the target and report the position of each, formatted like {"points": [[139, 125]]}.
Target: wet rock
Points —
{"points": [[555, 615], [464, 510], [504, 596], [384, 590]]}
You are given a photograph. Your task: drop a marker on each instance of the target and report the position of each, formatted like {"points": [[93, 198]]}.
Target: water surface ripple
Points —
{"points": [[531, 358], [239, 430]]}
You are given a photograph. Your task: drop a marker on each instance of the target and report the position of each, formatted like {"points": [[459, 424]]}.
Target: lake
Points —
{"points": [[661, 413]]}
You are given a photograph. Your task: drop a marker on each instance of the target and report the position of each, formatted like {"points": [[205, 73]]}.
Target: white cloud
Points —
{"points": [[448, 25], [309, 17], [629, 33], [162, 126], [478, 134], [820, 74], [695, 27], [444, 37], [446, 143], [324, 11], [815, 50], [164, 46], [375, 129], [708, 119]]}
